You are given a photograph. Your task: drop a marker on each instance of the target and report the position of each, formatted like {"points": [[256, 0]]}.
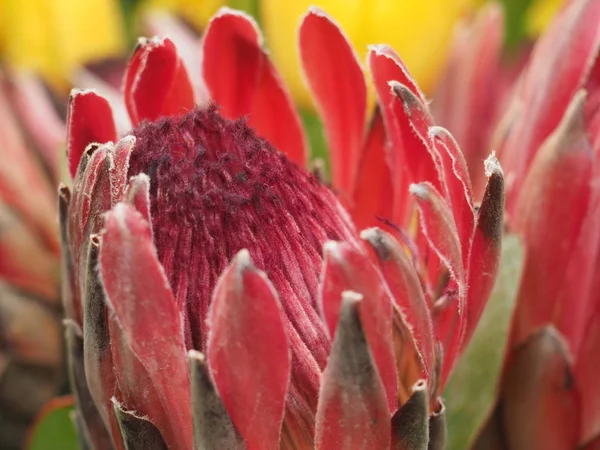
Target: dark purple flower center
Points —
{"points": [[217, 188]]}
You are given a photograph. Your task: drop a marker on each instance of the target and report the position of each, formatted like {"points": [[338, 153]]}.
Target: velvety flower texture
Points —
{"points": [[200, 232]]}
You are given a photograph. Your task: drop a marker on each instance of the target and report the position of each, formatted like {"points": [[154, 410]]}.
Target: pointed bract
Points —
{"points": [[336, 80], [408, 296], [486, 246], [557, 69], [89, 119], [373, 194], [563, 169], [212, 425], [346, 269], [244, 83], [353, 411], [537, 394], [456, 185], [138, 432], [157, 82], [97, 357], [135, 285], [474, 86], [247, 332], [410, 424]]}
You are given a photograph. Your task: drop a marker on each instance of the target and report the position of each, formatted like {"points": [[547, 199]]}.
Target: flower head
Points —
{"points": [[195, 233]]}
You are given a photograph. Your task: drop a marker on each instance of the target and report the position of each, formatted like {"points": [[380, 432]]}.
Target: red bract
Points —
{"points": [[193, 233], [472, 90], [548, 393], [31, 354], [561, 64]]}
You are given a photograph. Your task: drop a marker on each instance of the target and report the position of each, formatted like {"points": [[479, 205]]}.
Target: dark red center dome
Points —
{"points": [[217, 188]]}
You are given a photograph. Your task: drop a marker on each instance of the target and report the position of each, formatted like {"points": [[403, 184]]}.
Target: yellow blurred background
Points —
{"points": [[52, 37]]}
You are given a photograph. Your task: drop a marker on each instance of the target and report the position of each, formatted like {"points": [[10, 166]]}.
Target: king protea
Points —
{"points": [[220, 296]]}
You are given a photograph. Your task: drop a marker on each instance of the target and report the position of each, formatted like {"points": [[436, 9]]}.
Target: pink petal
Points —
{"points": [[557, 191], [130, 373], [539, 401], [439, 228], [348, 269], [449, 324], [67, 291], [97, 355], [373, 192], [39, 117], [243, 82], [587, 372], [457, 185], [162, 23], [24, 262], [156, 82], [23, 184], [138, 195], [405, 286], [90, 200], [577, 298], [386, 66], [485, 251], [248, 353], [592, 105], [558, 67], [87, 77], [89, 119], [352, 411], [385, 62], [151, 329], [470, 95], [94, 432], [422, 159], [335, 77], [118, 173]]}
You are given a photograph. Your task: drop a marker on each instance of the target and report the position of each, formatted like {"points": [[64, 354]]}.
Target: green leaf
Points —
{"points": [[515, 12], [471, 392], [55, 429]]}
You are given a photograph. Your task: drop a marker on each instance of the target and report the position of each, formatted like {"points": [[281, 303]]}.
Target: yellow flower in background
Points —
{"points": [[198, 12], [540, 13], [420, 31], [51, 37]]}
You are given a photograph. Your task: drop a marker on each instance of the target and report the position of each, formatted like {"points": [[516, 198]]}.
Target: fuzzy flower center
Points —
{"points": [[217, 188]]}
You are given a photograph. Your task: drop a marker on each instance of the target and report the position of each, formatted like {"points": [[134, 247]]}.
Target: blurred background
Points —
{"points": [[54, 38], [47, 47]]}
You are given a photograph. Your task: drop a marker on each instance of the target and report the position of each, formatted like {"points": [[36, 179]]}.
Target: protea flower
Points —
{"points": [[31, 350], [548, 396], [476, 86], [200, 232]]}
